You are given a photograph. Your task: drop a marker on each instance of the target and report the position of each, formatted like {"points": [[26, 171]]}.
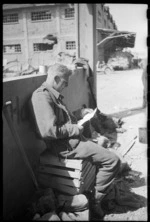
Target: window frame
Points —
{"points": [[15, 47], [40, 43], [40, 20], [14, 22], [72, 17], [67, 42]]}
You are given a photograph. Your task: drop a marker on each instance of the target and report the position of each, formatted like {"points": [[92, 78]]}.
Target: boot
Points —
{"points": [[96, 211]]}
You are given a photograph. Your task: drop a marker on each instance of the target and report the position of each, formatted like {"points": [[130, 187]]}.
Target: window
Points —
{"points": [[37, 47], [12, 48], [10, 18], [70, 45], [39, 16], [69, 13]]}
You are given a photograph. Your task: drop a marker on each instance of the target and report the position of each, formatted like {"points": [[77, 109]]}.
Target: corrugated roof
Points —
{"points": [[16, 6], [117, 38]]}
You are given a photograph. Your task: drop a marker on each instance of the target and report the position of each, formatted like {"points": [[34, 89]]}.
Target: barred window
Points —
{"points": [[69, 13], [39, 16], [37, 47], [70, 45], [10, 18], [12, 48]]}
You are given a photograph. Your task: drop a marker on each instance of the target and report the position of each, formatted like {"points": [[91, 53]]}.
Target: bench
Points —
{"points": [[70, 176]]}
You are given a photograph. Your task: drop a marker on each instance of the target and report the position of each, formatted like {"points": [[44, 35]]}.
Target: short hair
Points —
{"points": [[59, 70]]}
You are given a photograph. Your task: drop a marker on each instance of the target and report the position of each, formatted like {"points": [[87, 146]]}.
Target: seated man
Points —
{"points": [[63, 136]]}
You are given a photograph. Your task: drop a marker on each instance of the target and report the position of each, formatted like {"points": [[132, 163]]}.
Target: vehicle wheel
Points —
{"points": [[108, 71]]}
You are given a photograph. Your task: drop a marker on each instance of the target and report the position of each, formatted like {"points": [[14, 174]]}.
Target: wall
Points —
{"points": [[11, 31], [17, 183], [14, 34], [27, 32]]}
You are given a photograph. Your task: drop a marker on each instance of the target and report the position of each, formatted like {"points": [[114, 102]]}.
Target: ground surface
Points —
{"points": [[121, 93]]}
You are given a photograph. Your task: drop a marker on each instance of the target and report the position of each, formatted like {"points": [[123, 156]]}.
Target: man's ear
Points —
{"points": [[57, 79]]}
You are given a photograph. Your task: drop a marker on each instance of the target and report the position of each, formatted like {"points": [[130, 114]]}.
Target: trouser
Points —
{"points": [[108, 164]]}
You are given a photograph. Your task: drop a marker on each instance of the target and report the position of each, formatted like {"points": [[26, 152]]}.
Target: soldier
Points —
{"points": [[63, 136]]}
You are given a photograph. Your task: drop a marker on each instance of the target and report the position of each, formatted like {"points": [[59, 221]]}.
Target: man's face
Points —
{"points": [[61, 83]]}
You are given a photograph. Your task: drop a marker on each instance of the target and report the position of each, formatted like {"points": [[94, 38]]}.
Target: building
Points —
{"points": [[109, 39], [26, 25], [104, 22], [104, 18], [36, 33]]}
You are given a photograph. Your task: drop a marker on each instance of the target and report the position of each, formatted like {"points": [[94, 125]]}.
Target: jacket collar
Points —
{"points": [[53, 91]]}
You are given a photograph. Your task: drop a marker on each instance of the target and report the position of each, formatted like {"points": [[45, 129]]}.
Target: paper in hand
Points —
{"points": [[87, 117]]}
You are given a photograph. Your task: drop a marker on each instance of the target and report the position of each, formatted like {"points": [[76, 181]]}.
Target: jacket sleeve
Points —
{"points": [[46, 119]]}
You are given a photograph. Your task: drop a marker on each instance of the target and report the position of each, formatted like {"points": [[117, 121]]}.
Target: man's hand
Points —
{"points": [[80, 129], [86, 111]]}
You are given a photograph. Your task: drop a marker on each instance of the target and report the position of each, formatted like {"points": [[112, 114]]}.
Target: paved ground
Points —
{"points": [[121, 93]]}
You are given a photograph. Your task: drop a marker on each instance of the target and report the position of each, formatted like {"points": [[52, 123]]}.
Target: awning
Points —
{"points": [[116, 38]]}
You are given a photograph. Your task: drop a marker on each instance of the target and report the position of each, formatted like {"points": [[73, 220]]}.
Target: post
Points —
{"points": [[77, 30], [25, 36]]}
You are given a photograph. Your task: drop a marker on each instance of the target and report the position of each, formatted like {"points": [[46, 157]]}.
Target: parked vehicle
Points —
{"points": [[103, 67], [120, 60]]}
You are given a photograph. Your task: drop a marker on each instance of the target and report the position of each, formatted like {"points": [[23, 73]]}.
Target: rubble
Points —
{"points": [[50, 206], [77, 216], [42, 202], [73, 203], [51, 216], [64, 216]]}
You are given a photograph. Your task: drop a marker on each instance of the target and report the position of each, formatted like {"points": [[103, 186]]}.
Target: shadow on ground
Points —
{"points": [[129, 112]]}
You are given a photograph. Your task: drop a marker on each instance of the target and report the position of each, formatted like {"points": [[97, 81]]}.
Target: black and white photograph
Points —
{"points": [[75, 112]]}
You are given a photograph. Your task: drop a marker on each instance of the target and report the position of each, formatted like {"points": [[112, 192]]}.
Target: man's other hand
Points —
{"points": [[86, 111], [80, 129]]}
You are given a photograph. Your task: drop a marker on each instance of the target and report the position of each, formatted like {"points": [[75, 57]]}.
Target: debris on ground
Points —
{"points": [[73, 203], [51, 216], [50, 206], [42, 202], [76, 216]]}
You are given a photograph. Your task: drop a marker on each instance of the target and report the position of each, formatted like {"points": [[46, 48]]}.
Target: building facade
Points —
{"points": [[104, 22], [25, 27]]}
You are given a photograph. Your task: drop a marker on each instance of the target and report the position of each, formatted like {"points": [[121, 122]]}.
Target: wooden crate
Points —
{"points": [[66, 175]]}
